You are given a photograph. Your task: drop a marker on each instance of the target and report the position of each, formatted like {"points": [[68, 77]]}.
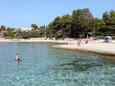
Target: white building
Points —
{"points": [[26, 29]]}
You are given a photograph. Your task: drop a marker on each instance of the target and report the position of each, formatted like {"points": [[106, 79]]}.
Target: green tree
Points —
{"points": [[109, 18], [98, 25], [42, 30], [26, 35], [34, 26], [34, 33], [2, 27], [50, 31], [60, 27], [18, 34], [10, 33], [81, 23]]}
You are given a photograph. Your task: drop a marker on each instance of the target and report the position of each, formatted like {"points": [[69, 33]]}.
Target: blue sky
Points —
{"points": [[22, 13]]}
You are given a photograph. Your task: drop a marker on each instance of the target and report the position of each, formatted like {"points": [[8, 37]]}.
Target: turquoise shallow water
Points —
{"points": [[42, 65]]}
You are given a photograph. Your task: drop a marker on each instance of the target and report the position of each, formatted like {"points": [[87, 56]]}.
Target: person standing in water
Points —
{"points": [[17, 57]]}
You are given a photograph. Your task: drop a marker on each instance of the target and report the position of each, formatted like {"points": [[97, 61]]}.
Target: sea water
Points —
{"points": [[41, 65]]}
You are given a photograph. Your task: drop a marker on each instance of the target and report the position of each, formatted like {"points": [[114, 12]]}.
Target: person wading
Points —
{"points": [[17, 57]]}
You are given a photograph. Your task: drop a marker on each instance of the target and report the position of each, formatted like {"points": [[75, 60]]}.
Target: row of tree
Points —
{"points": [[79, 24], [10, 33]]}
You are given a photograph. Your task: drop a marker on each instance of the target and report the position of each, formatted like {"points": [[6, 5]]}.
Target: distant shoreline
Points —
{"points": [[32, 40]]}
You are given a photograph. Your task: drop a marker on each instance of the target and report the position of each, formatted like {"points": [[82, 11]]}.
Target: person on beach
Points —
{"points": [[86, 42], [17, 57], [79, 42]]}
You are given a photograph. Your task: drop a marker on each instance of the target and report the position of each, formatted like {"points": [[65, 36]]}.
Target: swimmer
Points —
{"points": [[17, 57]]}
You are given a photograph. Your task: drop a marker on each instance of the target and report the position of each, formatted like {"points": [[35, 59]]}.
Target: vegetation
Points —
{"points": [[79, 24], [19, 34], [60, 27]]}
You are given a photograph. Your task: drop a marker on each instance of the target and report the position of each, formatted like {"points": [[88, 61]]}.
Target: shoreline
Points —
{"points": [[30, 40], [92, 47]]}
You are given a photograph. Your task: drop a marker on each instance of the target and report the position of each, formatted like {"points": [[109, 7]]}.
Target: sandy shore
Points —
{"points": [[32, 40], [94, 47]]}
